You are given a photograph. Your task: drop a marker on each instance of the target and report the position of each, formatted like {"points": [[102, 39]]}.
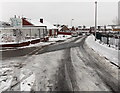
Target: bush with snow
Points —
{"points": [[6, 37]]}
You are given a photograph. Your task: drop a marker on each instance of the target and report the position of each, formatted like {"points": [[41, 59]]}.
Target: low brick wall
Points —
{"points": [[16, 44], [65, 33], [35, 41], [44, 39], [9, 45], [26, 43]]}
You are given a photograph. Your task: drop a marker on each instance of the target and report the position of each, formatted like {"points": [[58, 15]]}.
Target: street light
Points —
{"points": [[95, 18], [71, 21]]}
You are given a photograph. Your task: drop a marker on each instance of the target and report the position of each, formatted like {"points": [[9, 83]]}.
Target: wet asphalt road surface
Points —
{"points": [[66, 76]]}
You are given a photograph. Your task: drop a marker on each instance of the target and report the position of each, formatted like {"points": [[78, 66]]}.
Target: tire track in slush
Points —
{"points": [[66, 80], [102, 72]]}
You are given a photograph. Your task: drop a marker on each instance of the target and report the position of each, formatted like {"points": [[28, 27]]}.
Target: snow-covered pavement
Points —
{"points": [[93, 71], [103, 50], [87, 79]]}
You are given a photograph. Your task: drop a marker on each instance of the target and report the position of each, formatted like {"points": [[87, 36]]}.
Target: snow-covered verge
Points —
{"points": [[6, 38], [27, 78], [5, 78], [8, 78], [103, 50], [38, 72], [59, 37]]}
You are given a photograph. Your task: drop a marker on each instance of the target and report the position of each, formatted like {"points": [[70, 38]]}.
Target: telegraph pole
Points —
{"points": [[95, 18]]}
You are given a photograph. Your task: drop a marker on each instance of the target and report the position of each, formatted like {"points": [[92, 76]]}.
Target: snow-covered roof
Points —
{"points": [[117, 27], [108, 27], [49, 25], [87, 27], [36, 22], [69, 26], [59, 28]]}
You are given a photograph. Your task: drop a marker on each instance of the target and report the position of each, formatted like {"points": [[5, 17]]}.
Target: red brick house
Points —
{"points": [[64, 30]]}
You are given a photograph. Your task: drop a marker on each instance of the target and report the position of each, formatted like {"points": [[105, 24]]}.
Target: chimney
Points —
{"points": [[14, 16], [41, 20]]}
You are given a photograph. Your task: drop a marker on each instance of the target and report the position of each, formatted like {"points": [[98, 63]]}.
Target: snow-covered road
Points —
{"points": [[66, 66]]}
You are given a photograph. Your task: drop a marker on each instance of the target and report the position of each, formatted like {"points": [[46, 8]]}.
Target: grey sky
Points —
{"points": [[62, 12]]}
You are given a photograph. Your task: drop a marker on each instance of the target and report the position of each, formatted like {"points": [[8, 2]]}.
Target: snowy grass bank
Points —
{"points": [[59, 37], [103, 50]]}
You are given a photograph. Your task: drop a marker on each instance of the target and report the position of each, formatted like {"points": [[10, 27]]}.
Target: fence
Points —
{"points": [[22, 34], [110, 39]]}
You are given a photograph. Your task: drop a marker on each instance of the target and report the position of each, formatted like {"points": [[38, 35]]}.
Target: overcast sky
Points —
{"points": [[62, 12]]}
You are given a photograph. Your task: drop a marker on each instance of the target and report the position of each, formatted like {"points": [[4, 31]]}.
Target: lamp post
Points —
{"points": [[71, 21], [95, 18]]}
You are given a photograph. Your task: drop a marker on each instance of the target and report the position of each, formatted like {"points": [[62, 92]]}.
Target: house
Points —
{"points": [[84, 29], [64, 30], [73, 28], [51, 29], [39, 30], [23, 31]]}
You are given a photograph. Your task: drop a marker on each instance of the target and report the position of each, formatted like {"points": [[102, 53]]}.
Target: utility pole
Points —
{"points": [[95, 18]]}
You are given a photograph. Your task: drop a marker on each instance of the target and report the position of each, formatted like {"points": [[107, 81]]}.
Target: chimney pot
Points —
{"points": [[41, 20], [15, 16]]}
